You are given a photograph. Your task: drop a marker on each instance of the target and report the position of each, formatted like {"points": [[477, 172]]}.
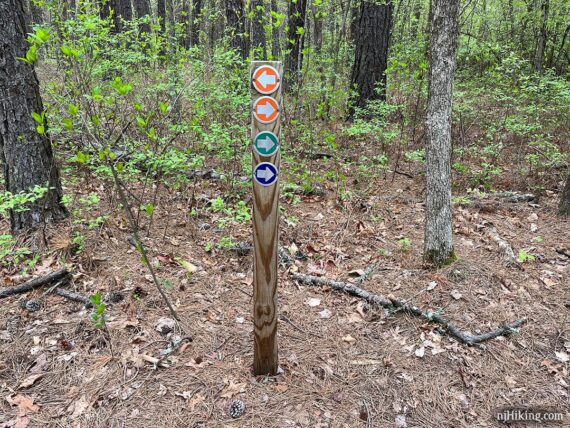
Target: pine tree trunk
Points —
{"points": [[235, 21], [371, 54], [541, 40], [275, 39], [295, 40], [194, 28], [317, 29], [564, 206], [142, 9], [122, 10], [438, 240], [258, 43], [26, 155]]}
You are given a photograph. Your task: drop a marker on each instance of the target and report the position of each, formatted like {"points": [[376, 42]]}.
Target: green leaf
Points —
{"points": [[41, 129], [38, 118], [67, 123], [73, 109]]}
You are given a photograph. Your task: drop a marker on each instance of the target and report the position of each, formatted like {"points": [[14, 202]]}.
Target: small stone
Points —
{"points": [[113, 297], [237, 409]]}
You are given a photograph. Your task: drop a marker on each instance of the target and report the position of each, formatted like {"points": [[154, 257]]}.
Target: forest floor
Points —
{"points": [[344, 364]]}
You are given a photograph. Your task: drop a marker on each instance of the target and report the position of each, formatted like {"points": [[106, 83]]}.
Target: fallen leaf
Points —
{"points": [[22, 422], [78, 407], [367, 362], [456, 295], [325, 314], [420, 352], [349, 339], [281, 387], [233, 389], [431, 286], [30, 380], [563, 357], [401, 421], [191, 268], [25, 404], [198, 399]]}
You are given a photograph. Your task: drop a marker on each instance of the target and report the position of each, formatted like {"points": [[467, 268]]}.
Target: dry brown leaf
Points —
{"points": [[25, 404], [198, 399], [22, 422], [281, 387], [349, 339], [78, 407], [30, 380], [233, 389]]}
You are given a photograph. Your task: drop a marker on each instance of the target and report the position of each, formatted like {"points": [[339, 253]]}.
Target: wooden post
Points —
{"points": [[265, 161]]}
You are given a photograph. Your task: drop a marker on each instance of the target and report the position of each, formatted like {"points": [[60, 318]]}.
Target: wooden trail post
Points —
{"points": [[266, 79]]}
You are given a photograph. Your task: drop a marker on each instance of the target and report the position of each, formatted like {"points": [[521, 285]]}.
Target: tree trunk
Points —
{"points": [[235, 21], [195, 18], [564, 206], [317, 29], [258, 43], [122, 9], [295, 40], [142, 9], [438, 240], [275, 39], [541, 41], [26, 155], [371, 54]]}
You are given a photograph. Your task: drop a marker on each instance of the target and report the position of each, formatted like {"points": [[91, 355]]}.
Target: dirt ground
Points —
{"points": [[344, 364]]}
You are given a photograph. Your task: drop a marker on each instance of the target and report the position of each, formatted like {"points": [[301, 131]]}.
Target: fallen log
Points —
{"points": [[34, 283], [71, 295], [398, 305], [504, 247]]}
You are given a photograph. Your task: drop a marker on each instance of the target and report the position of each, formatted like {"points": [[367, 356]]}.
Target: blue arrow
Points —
{"points": [[265, 173]]}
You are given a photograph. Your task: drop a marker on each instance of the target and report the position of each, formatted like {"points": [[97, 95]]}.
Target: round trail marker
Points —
{"points": [[265, 110], [265, 173], [266, 143], [265, 79]]}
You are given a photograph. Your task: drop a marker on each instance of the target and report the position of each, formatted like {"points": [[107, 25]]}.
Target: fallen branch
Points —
{"points": [[75, 297], [563, 251], [504, 246], [394, 304], [34, 283]]}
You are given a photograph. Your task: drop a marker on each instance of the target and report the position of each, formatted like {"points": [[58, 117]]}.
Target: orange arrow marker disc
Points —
{"points": [[266, 110], [265, 79]]}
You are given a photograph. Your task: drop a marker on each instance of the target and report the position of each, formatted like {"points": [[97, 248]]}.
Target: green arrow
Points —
{"points": [[266, 143]]}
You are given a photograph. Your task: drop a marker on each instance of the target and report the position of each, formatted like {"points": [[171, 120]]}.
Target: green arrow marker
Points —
{"points": [[266, 143]]}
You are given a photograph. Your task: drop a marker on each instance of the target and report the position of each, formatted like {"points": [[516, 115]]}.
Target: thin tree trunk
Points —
{"points": [[258, 43], [317, 29], [541, 41], [371, 55], [275, 39], [564, 206], [235, 21], [142, 9], [122, 10], [25, 154], [295, 40], [438, 240], [196, 17]]}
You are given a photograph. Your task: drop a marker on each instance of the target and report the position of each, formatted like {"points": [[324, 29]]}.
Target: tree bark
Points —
{"points": [[371, 54], [235, 22], [295, 40], [258, 42], [438, 240], [541, 41], [317, 29], [25, 154], [275, 39], [122, 9], [195, 18], [142, 9], [564, 206]]}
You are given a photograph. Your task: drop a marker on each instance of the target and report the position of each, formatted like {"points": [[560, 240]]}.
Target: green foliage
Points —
{"points": [[98, 315], [18, 201], [525, 257]]}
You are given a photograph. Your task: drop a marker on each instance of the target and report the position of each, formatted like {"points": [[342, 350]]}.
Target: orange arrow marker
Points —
{"points": [[266, 110], [265, 79]]}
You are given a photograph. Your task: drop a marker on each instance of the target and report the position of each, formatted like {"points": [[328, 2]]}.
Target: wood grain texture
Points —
{"points": [[265, 242]]}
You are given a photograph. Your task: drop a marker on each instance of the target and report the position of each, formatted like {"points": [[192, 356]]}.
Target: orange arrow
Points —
{"points": [[266, 109], [265, 79]]}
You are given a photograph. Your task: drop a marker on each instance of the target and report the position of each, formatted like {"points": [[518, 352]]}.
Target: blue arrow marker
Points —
{"points": [[265, 173]]}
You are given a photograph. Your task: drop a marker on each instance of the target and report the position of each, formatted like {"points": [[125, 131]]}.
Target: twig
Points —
{"points": [[378, 300], [71, 295], [504, 246], [34, 283]]}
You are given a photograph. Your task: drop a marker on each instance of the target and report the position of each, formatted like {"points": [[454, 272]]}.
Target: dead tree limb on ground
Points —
{"points": [[34, 283], [398, 305], [504, 247]]}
